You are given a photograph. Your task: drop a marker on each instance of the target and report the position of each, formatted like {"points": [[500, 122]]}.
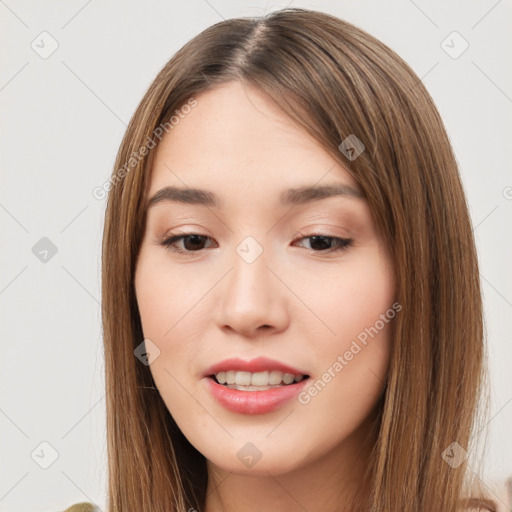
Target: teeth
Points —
{"points": [[275, 378], [242, 378], [288, 378], [259, 379]]}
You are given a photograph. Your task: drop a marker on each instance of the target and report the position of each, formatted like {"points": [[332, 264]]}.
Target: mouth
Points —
{"points": [[261, 392], [257, 386], [258, 381]]}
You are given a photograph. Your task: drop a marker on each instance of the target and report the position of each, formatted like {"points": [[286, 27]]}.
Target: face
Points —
{"points": [[271, 309]]}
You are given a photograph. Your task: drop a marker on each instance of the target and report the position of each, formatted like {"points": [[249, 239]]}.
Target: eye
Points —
{"points": [[195, 242], [325, 243], [192, 242]]}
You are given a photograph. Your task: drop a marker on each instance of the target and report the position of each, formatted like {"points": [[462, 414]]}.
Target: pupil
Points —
{"points": [[197, 241], [325, 245]]}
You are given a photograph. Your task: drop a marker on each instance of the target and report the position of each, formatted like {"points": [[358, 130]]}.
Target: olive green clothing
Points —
{"points": [[82, 507]]}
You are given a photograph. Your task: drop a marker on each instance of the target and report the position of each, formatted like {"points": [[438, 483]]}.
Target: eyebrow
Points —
{"points": [[292, 196]]}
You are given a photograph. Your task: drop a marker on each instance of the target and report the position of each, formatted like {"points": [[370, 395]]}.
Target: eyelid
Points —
{"points": [[341, 244]]}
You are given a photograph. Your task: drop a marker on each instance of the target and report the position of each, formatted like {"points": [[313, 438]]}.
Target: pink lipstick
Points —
{"points": [[257, 386]]}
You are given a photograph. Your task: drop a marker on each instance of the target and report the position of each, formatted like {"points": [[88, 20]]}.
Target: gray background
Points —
{"points": [[63, 118]]}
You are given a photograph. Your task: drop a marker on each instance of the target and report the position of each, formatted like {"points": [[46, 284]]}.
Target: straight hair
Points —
{"points": [[334, 80]]}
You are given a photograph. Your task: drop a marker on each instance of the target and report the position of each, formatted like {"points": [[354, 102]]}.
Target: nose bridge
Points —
{"points": [[252, 296]]}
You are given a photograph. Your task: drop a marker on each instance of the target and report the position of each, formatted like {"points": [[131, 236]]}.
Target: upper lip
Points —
{"points": [[260, 364]]}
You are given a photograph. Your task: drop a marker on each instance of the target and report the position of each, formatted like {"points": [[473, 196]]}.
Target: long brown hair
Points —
{"points": [[334, 80]]}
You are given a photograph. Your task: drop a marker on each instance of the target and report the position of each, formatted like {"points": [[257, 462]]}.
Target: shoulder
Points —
{"points": [[82, 507]]}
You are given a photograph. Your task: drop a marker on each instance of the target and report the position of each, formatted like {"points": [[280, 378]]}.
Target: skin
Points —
{"points": [[294, 303]]}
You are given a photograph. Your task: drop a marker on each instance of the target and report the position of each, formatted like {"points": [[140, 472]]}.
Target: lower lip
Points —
{"points": [[253, 402]]}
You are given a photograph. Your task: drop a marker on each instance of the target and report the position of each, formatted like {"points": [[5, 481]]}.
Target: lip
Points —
{"points": [[260, 364], [253, 402]]}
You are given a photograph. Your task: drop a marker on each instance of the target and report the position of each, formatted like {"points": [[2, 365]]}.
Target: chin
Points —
{"points": [[261, 456], [277, 464]]}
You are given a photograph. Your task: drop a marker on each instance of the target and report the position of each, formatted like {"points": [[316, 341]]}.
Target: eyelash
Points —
{"points": [[341, 244]]}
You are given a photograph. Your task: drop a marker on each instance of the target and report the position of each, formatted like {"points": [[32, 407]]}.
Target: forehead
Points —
{"points": [[237, 137]]}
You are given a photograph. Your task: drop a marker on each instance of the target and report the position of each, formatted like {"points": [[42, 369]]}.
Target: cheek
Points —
{"points": [[171, 316], [349, 298], [352, 353], [176, 311], [167, 299]]}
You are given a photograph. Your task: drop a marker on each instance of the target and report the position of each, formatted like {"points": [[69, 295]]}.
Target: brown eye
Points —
{"points": [[191, 243], [195, 242], [324, 243]]}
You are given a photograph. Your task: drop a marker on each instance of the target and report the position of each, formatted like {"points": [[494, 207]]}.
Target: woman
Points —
{"points": [[288, 255]]}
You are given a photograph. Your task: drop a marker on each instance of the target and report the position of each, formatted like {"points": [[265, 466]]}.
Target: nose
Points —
{"points": [[252, 299]]}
